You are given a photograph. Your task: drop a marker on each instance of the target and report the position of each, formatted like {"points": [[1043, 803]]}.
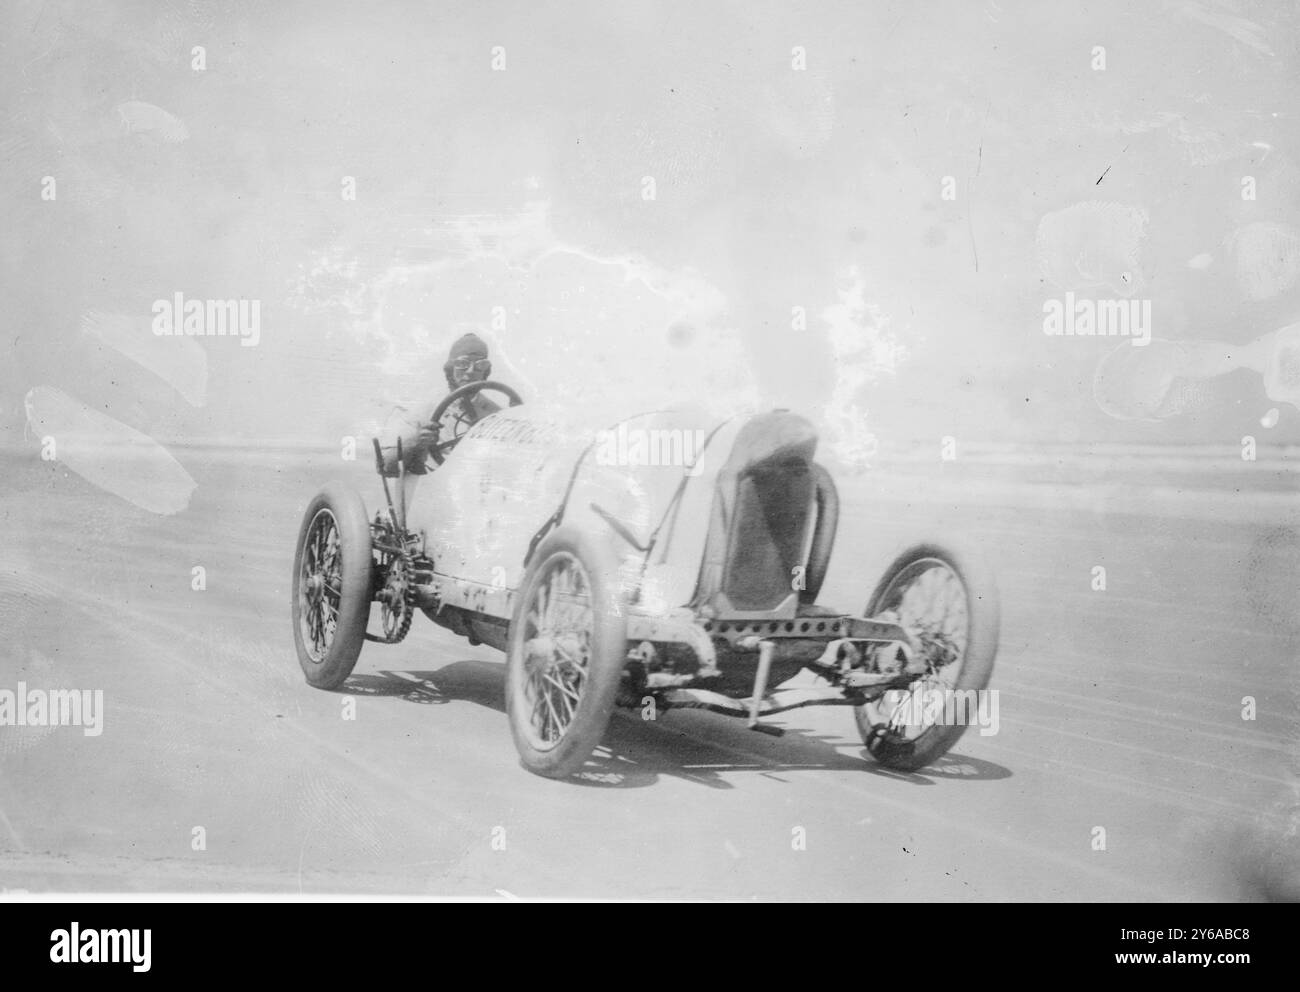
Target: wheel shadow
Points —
{"points": [[478, 682], [690, 745]]}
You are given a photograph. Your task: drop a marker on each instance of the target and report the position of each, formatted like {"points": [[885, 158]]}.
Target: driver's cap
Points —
{"points": [[469, 346]]}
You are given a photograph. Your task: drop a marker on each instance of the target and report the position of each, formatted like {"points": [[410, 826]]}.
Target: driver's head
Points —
{"points": [[467, 361]]}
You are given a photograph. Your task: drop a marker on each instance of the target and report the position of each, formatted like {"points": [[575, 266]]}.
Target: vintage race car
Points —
{"points": [[669, 560]]}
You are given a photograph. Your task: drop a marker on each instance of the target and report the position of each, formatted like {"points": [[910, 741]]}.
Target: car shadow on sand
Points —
{"points": [[692, 745]]}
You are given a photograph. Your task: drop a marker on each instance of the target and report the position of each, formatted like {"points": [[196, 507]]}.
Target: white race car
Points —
{"points": [[671, 559]]}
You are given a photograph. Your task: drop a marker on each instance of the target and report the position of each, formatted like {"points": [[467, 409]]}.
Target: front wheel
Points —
{"points": [[331, 586], [565, 656], [948, 603]]}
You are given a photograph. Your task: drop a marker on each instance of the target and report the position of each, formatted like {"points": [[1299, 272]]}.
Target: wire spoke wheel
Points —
{"points": [[566, 651], [331, 586], [320, 585], [948, 606], [557, 638], [928, 600]]}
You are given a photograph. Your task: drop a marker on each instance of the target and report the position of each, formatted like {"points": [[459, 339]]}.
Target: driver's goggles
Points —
{"points": [[470, 364]]}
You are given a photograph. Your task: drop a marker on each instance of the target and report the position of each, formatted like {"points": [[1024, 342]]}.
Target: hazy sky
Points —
{"points": [[798, 249]]}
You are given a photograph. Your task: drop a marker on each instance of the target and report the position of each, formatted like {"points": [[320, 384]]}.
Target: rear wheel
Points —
{"points": [[331, 586], [565, 657], [948, 603]]}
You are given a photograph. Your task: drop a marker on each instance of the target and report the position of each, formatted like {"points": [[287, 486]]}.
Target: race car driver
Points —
{"points": [[467, 362]]}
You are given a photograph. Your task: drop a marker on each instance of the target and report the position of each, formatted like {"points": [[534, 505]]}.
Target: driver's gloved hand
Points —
{"points": [[429, 435], [415, 447], [417, 455]]}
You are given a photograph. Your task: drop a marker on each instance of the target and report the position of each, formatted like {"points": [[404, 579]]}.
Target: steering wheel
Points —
{"points": [[439, 449]]}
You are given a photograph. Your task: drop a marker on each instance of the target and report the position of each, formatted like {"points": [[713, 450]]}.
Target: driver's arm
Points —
{"points": [[418, 432]]}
